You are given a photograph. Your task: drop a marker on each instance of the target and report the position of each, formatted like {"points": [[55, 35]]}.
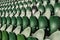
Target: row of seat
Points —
{"points": [[43, 2], [32, 1], [42, 23], [4, 35]]}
